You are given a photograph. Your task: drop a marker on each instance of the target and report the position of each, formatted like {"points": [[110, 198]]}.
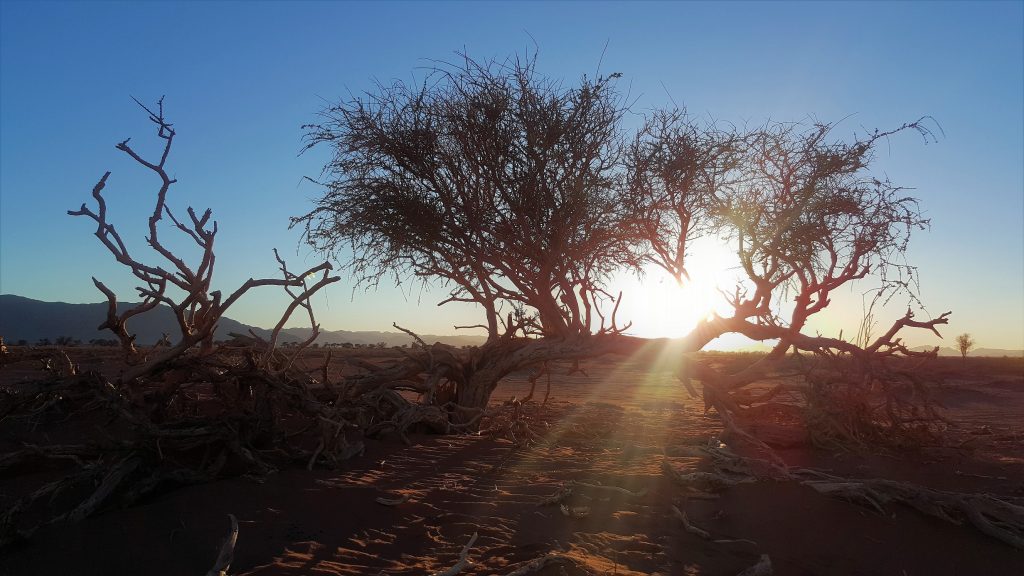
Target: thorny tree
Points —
{"points": [[523, 195], [502, 185]]}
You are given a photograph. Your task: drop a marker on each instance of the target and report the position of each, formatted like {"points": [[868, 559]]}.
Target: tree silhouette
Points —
{"points": [[502, 185], [184, 287], [523, 195], [964, 343]]}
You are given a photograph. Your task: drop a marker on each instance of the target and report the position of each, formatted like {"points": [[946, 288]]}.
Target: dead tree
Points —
{"points": [[184, 288], [232, 408]]}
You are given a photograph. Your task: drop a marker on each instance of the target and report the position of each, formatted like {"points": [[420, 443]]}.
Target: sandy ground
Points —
{"points": [[610, 427]]}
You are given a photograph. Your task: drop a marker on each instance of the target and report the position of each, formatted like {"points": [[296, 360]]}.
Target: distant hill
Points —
{"points": [[31, 320], [389, 338], [997, 352]]}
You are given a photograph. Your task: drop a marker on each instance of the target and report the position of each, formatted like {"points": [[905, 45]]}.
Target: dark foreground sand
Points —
{"points": [[611, 427]]}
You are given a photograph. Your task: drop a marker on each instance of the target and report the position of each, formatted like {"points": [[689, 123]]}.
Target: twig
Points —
{"points": [[463, 559]]}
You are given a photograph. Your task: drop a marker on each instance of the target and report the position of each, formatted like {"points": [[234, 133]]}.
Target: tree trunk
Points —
{"points": [[473, 395]]}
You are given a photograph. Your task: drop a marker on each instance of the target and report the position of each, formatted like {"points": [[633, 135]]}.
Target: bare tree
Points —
{"points": [[964, 343], [185, 288], [247, 395]]}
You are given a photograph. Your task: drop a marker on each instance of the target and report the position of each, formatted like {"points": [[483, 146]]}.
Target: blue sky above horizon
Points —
{"points": [[241, 78]]}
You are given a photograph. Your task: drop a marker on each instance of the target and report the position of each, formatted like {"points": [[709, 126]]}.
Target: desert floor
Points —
{"points": [[613, 426]]}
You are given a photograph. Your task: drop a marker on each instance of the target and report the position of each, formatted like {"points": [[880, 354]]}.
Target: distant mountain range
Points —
{"points": [[31, 320], [974, 352]]}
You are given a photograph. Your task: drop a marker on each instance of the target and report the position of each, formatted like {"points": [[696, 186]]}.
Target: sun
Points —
{"points": [[659, 306]]}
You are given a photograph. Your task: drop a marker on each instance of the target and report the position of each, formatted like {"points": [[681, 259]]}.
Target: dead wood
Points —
{"points": [[681, 516], [613, 489], [227, 551], [697, 530], [394, 501], [988, 514], [762, 568], [705, 481], [542, 562], [200, 309], [463, 559], [111, 482], [574, 511], [558, 497]]}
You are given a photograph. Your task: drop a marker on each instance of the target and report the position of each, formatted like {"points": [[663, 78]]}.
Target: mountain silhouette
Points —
{"points": [[31, 320]]}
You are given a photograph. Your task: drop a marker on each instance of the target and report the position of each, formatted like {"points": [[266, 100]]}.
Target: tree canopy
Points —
{"points": [[504, 185]]}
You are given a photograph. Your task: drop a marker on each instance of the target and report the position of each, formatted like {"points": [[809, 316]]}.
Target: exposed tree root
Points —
{"points": [[990, 515]]}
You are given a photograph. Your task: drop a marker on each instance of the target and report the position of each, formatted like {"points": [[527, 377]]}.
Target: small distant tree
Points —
{"points": [[964, 342]]}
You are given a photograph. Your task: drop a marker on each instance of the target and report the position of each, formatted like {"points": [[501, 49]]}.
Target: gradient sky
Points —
{"points": [[241, 78]]}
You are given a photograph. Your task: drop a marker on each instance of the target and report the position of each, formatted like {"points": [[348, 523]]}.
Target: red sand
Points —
{"points": [[611, 428]]}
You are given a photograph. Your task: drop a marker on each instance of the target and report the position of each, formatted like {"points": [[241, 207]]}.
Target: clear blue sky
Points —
{"points": [[240, 78]]}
